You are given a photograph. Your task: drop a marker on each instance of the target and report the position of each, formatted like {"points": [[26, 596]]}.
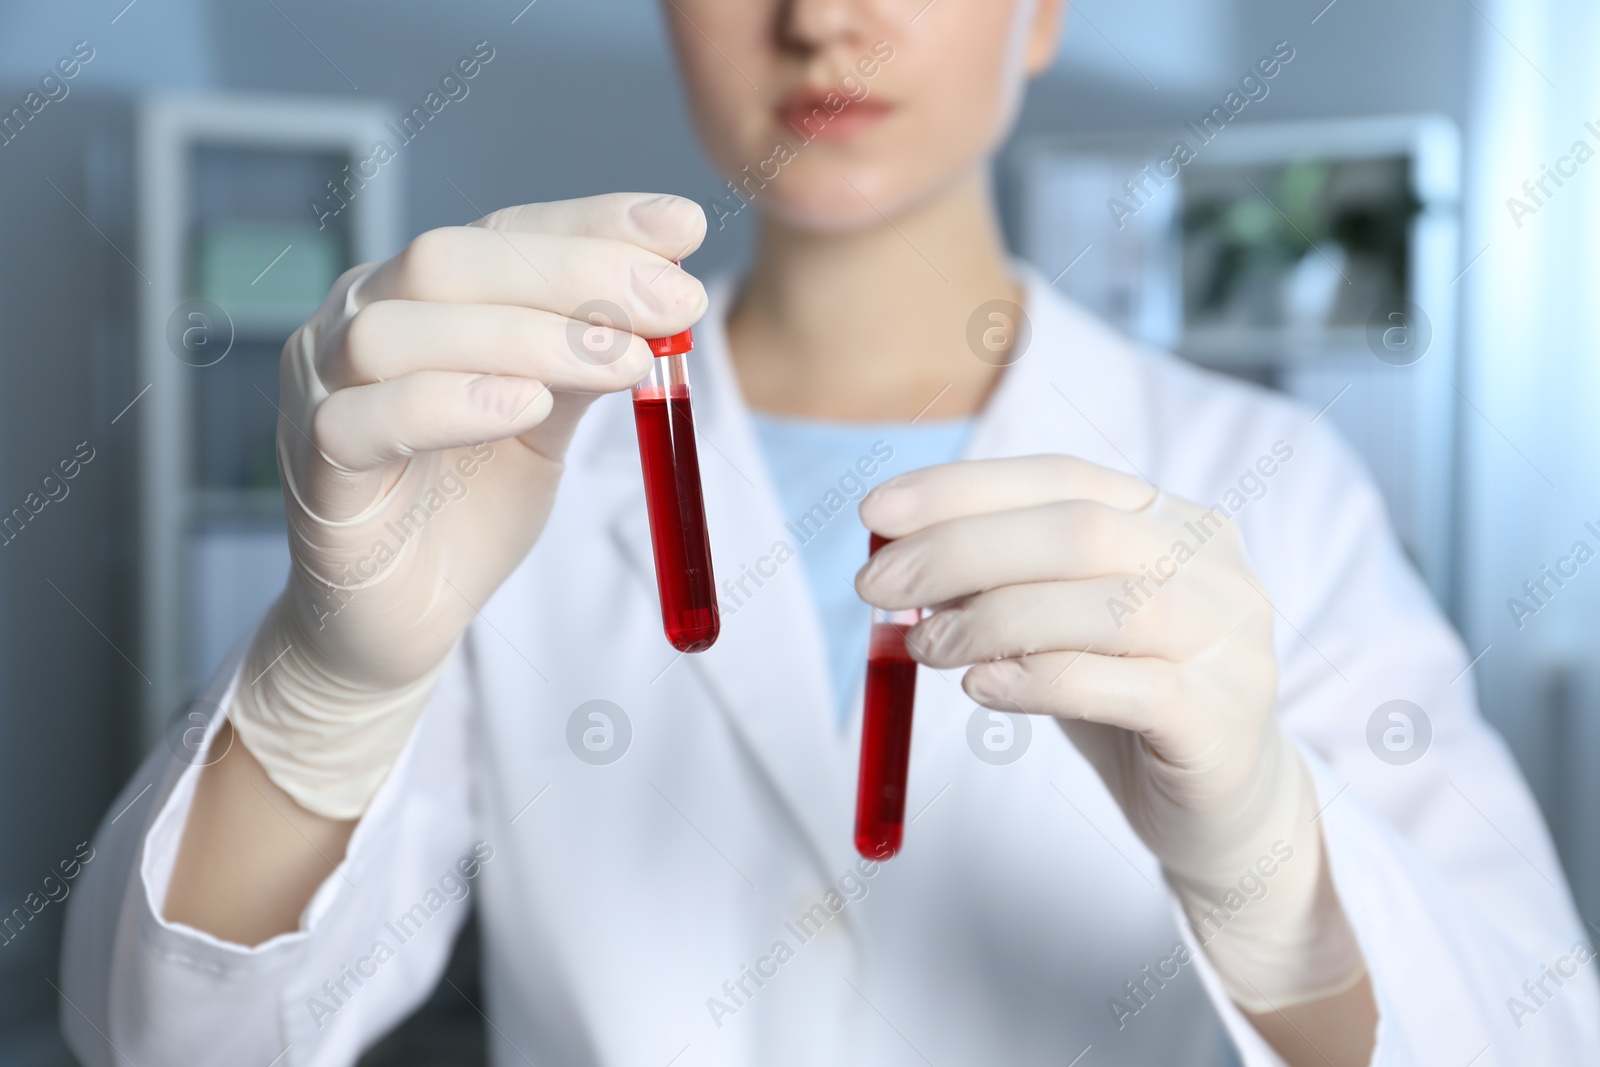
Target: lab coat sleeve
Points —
{"points": [[1443, 864], [137, 988]]}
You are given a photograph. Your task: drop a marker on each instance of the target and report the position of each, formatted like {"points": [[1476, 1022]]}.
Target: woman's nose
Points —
{"points": [[813, 24]]}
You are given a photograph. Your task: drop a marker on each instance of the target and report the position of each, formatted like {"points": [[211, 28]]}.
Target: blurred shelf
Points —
{"points": [[211, 504], [267, 323], [1226, 347], [233, 195]]}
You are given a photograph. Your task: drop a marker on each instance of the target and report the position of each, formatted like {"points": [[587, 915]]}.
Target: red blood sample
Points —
{"points": [[673, 499], [885, 733]]}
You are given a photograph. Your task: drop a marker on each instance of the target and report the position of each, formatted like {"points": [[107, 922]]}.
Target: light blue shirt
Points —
{"points": [[821, 471]]}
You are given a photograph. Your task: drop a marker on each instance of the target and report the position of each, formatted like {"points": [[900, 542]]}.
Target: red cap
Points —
{"points": [[675, 345], [875, 542]]}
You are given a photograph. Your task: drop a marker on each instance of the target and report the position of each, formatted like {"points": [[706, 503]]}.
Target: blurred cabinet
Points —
{"points": [[1319, 258], [248, 208]]}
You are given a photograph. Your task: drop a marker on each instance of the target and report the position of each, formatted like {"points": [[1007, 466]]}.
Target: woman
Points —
{"points": [[1196, 583]]}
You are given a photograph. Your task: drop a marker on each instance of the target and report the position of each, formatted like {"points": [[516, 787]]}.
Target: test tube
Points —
{"points": [[885, 731], [665, 421]]}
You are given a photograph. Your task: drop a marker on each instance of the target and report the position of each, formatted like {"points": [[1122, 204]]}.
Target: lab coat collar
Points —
{"points": [[1078, 389], [1054, 398]]}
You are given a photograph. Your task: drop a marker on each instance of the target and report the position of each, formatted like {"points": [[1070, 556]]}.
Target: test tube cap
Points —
{"points": [[675, 345]]}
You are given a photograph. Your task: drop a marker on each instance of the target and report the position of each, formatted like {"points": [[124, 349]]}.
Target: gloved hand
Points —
{"points": [[425, 410], [1134, 619]]}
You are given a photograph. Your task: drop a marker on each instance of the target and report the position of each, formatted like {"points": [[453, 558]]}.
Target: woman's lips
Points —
{"points": [[807, 115]]}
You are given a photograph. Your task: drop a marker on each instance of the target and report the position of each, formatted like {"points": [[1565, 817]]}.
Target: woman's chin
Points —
{"points": [[836, 204], [823, 219]]}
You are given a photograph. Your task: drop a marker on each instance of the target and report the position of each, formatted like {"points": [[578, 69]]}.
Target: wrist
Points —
{"points": [[324, 739], [1266, 912]]}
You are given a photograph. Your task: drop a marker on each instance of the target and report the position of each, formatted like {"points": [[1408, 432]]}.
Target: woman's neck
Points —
{"points": [[873, 325]]}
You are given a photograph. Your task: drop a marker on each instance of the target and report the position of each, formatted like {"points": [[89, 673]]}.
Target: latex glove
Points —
{"points": [[1065, 584], [425, 410]]}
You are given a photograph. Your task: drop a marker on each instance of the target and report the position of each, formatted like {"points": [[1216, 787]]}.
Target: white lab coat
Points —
{"points": [[621, 898]]}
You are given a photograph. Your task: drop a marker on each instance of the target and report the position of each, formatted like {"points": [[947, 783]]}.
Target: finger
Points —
{"points": [[1123, 615], [632, 288], [392, 338], [670, 226], [370, 425], [1064, 540], [917, 499], [1132, 693]]}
